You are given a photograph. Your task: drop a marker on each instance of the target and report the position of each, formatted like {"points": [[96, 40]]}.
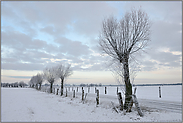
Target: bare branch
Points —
{"points": [[122, 39]]}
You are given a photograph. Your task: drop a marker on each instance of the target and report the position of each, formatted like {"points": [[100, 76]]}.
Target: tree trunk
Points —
{"points": [[51, 84], [39, 86], [62, 86], [97, 97], [128, 91], [120, 101]]}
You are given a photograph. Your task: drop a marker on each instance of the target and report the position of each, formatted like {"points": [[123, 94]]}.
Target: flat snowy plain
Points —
{"points": [[29, 105]]}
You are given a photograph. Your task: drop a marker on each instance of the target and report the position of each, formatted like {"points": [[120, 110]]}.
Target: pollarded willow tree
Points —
{"points": [[62, 72], [39, 78], [120, 39], [33, 82], [49, 75]]}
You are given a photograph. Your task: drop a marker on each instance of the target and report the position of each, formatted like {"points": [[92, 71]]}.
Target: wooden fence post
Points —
{"points": [[74, 94], [77, 89], [97, 97], [95, 90], [135, 90], [120, 101], [82, 95], [66, 92], [88, 89], [137, 105], [82, 89], [117, 90], [159, 92], [105, 90], [85, 96]]}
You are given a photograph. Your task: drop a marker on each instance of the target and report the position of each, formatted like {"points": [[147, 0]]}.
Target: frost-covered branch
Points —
{"points": [[63, 72], [120, 39], [50, 75]]}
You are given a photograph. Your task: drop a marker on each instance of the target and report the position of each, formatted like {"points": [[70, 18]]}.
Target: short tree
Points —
{"points": [[121, 39], [35, 81], [31, 83], [39, 78], [21, 84], [63, 72], [16, 84], [49, 75]]}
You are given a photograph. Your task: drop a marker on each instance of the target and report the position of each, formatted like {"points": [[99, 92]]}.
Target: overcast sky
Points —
{"points": [[38, 34]]}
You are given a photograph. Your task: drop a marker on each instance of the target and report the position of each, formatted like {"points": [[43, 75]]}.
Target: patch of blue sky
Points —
{"points": [[5, 51], [76, 37], [45, 37], [8, 23], [119, 5]]}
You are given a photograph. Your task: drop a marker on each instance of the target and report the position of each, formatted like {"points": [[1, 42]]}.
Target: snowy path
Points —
{"points": [[25, 104]]}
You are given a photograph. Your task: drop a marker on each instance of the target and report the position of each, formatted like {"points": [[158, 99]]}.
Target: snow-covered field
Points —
{"points": [[168, 93], [26, 104]]}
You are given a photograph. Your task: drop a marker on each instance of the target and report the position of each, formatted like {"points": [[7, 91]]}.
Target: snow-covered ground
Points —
{"points": [[26, 104]]}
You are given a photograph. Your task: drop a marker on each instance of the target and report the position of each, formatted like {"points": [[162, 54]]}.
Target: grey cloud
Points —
{"points": [[49, 30], [9, 60], [83, 18], [162, 59], [19, 76], [166, 18], [22, 57], [15, 39], [166, 34], [165, 57], [158, 9], [75, 48], [149, 65], [22, 66], [61, 14]]}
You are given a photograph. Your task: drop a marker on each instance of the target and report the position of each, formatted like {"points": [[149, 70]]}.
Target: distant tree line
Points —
{"points": [[21, 84], [90, 85]]}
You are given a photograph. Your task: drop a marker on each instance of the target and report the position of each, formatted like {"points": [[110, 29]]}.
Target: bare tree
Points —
{"points": [[49, 75], [39, 78], [21, 84], [62, 72], [30, 83], [33, 82], [120, 39]]}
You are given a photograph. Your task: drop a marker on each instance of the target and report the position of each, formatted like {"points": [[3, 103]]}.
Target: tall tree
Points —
{"points": [[62, 72], [49, 75], [120, 39]]}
